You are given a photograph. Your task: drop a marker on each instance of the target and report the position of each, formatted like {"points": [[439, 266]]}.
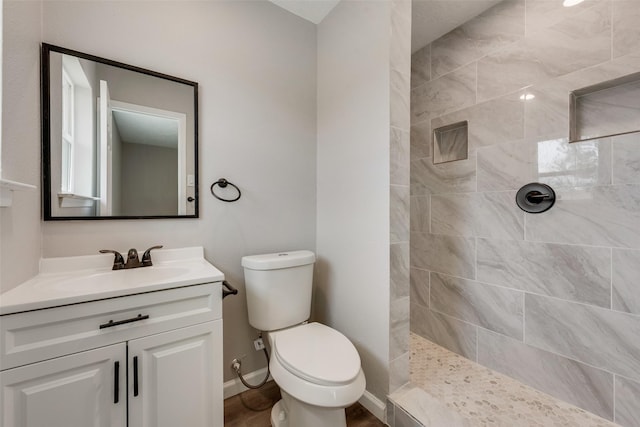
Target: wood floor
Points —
{"points": [[253, 409]]}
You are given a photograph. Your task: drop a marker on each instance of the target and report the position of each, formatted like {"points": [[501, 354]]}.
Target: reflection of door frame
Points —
{"points": [[181, 118], [105, 207]]}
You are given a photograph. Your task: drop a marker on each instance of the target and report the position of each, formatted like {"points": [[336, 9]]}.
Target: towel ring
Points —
{"points": [[222, 183]]}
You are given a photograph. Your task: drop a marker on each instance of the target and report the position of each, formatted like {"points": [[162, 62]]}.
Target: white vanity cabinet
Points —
{"points": [[151, 359], [176, 378], [74, 390]]}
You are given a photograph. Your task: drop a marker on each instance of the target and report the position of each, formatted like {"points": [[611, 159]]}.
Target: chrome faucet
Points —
{"points": [[132, 258]]}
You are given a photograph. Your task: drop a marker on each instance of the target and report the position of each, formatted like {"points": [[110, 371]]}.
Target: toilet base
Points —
{"points": [[278, 415], [290, 412]]}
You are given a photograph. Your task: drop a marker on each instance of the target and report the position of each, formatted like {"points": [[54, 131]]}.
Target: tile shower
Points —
{"points": [[551, 299]]}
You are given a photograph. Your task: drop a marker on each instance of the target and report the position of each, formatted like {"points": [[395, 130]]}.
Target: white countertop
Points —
{"points": [[71, 280]]}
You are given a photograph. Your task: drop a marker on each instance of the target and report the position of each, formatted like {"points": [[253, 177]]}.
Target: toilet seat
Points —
{"points": [[318, 354]]}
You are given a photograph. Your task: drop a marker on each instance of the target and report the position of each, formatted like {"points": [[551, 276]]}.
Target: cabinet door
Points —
{"points": [[175, 378], [79, 390]]}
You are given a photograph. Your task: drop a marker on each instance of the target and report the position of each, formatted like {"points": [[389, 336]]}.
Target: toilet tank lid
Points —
{"points": [[278, 260]]}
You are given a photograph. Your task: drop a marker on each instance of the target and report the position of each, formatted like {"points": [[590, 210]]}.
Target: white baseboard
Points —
{"points": [[235, 386], [374, 405]]}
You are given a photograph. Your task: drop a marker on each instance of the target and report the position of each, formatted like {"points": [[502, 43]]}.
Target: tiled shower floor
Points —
{"points": [[448, 390]]}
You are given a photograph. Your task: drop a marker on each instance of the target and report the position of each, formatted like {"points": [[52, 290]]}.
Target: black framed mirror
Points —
{"points": [[118, 141]]}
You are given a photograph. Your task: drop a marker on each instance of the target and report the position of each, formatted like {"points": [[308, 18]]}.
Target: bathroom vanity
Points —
{"points": [[81, 345]]}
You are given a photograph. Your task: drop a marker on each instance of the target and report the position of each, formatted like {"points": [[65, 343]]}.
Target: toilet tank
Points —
{"points": [[278, 288]]}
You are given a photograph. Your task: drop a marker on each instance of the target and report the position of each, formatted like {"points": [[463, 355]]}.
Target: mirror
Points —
{"points": [[118, 141]]}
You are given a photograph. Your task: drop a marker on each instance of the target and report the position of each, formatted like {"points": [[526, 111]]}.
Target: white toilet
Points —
{"points": [[317, 368]]}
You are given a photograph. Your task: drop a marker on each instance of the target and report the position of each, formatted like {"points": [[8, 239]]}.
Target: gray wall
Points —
{"points": [[481, 266], [20, 224], [359, 78], [148, 180], [256, 66]]}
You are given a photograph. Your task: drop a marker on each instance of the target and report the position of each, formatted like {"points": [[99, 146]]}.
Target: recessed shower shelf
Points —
{"points": [[451, 142], [605, 109]]}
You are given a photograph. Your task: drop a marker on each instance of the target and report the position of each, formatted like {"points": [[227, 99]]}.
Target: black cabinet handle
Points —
{"points": [[116, 382], [111, 323], [231, 290], [135, 376]]}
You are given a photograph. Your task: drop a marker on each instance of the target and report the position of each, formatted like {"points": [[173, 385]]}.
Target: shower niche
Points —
{"points": [[451, 142], [605, 109]]}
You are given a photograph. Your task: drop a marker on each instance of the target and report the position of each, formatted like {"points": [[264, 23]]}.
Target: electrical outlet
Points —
{"points": [[258, 344]]}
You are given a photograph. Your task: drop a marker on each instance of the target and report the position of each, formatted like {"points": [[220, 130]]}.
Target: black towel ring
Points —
{"points": [[222, 183]]}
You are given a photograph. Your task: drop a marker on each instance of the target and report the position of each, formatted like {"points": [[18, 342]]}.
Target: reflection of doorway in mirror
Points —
{"points": [[148, 161]]}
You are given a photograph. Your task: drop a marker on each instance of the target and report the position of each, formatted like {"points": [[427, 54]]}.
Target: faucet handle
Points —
{"points": [[118, 260], [146, 257]]}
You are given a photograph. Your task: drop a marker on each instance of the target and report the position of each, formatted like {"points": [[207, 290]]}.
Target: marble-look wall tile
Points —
{"points": [[506, 166], [430, 411], [581, 164], [399, 370], [510, 69], [399, 217], [492, 307], [400, 99], [421, 67], [627, 402], [452, 334], [403, 419], [581, 40], [626, 158], [420, 143], [400, 48], [493, 122], [546, 111], [399, 153], [452, 177], [445, 94], [493, 29], [389, 414], [626, 32], [399, 328], [419, 283], [593, 162], [575, 273], [399, 253], [601, 338], [494, 215], [610, 70], [600, 216], [444, 254], [420, 213], [556, 163], [626, 281], [574, 382], [542, 14]]}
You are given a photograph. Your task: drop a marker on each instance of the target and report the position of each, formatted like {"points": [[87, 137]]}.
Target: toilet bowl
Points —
{"points": [[318, 371], [317, 368]]}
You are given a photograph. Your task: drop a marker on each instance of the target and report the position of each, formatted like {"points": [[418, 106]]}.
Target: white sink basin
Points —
{"points": [[114, 279], [87, 278]]}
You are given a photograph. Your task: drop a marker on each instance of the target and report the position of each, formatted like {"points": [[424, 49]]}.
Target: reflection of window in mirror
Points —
{"points": [[67, 132], [78, 129]]}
